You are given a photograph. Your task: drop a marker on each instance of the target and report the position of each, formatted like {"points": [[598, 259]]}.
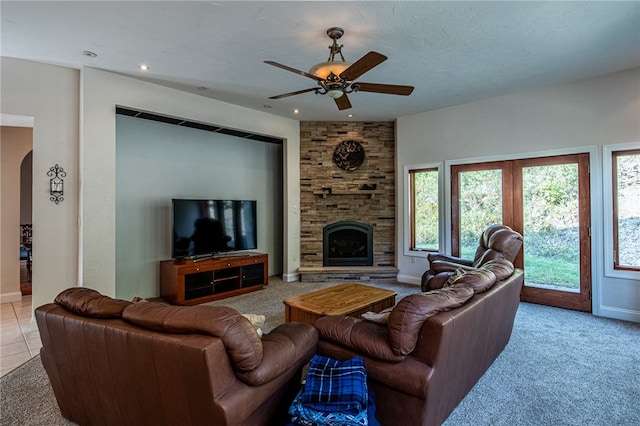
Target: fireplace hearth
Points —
{"points": [[347, 243]]}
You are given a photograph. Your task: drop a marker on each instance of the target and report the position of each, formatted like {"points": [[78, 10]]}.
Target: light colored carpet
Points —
{"points": [[268, 302], [560, 368]]}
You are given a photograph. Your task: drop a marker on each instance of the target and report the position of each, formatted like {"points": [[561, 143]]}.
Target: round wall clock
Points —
{"points": [[349, 155]]}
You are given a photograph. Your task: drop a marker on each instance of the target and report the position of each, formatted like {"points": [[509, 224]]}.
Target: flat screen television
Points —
{"points": [[209, 227]]}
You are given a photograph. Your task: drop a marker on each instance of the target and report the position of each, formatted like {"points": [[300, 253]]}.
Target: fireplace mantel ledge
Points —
{"points": [[369, 192]]}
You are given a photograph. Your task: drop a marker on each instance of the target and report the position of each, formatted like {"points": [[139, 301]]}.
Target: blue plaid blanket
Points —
{"points": [[304, 415], [335, 386]]}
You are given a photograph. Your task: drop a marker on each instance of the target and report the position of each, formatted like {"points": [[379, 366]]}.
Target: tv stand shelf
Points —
{"points": [[189, 282]]}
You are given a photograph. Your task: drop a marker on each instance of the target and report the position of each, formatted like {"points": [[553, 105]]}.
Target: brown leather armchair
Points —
{"points": [[496, 242], [112, 362]]}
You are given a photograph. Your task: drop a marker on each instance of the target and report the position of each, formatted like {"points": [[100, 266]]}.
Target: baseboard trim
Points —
{"points": [[409, 279], [15, 296], [618, 313], [290, 277]]}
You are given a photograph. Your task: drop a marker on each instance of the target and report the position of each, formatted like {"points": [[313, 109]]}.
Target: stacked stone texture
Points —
{"points": [[318, 140]]}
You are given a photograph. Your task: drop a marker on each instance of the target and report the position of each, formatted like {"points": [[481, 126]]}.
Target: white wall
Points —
{"points": [[156, 162], [101, 92], [581, 116], [50, 95]]}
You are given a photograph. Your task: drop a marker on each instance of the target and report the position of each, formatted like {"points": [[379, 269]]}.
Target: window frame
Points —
{"points": [[614, 200], [409, 200], [610, 225]]}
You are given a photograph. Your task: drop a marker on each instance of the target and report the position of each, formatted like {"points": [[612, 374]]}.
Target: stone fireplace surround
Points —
{"points": [[346, 201]]}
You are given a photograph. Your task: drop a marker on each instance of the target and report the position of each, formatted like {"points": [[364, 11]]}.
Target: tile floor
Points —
{"points": [[19, 338]]}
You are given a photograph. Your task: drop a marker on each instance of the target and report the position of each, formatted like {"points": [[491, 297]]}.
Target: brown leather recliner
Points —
{"points": [[112, 362], [496, 242]]}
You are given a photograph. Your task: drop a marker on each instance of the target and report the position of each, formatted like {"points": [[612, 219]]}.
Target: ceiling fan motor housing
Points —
{"points": [[335, 33]]}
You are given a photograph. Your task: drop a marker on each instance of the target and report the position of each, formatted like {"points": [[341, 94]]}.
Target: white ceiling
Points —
{"points": [[452, 52]]}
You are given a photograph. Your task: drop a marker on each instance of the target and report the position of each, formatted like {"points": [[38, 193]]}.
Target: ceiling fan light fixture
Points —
{"points": [[324, 69], [331, 81], [335, 94]]}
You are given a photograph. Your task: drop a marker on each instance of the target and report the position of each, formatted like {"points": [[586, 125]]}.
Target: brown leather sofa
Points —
{"points": [[434, 347], [496, 242], [112, 362]]}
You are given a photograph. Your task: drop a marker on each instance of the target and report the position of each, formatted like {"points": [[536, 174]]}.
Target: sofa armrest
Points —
{"points": [[288, 346], [433, 281], [439, 266], [365, 337], [433, 257]]}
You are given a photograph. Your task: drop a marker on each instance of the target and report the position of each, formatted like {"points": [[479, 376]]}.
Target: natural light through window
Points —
{"points": [[424, 209], [626, 209], [480, 198]]}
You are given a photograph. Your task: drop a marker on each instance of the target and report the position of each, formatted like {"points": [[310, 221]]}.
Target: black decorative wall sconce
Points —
{"points": [[56, 183]]}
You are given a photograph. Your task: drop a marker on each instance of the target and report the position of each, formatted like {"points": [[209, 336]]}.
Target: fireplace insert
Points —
{"points": [[347, 243]]}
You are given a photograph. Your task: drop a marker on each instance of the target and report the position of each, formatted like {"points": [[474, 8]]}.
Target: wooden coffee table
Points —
{"points": [[349, 299]]}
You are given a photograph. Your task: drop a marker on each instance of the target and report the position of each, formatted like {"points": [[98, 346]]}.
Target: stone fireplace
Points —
{"points": [[347, 243], [331, 195]]}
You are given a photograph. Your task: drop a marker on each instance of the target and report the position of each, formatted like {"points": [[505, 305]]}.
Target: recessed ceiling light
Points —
{"points": [[350, 115], [144, 67], [295, 111], [90, 54]]}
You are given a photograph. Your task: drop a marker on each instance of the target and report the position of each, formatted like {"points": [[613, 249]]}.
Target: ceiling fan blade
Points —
{"points": [[284, 95], [302, 73], [362, 65], [390, 89], [343, 102]]}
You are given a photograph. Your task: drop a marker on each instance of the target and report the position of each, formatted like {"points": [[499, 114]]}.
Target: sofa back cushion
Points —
{"points": [[480, 280], [407, 317], [240, 339], [501, 268], [364, 337], [89, 303]]}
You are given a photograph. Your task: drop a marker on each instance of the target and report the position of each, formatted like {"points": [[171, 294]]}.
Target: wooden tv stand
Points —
{"points": [[189, 282]]}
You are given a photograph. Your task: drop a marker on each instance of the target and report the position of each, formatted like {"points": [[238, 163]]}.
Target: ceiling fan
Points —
{"points": [[337, 78]]}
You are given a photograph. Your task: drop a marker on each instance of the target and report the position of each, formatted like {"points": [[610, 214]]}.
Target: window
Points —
{"points": [[626, 209], [424, 208], [546, 199], [479, 196]]}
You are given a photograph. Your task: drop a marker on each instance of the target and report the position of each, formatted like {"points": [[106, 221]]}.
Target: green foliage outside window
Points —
{"points": [[551, 224], [425, 215], [550, 205], [551, 211], [480, 207], [628, 194]]}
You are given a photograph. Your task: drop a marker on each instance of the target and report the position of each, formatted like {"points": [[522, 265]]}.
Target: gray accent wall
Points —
{"points": [[156, 162]]}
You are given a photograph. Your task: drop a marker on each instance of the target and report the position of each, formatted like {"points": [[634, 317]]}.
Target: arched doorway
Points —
{"points": [[17, 144], [26, 238]]}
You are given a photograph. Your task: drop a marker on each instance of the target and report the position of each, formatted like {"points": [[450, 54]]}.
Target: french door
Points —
{"points": [[545, 199]]}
